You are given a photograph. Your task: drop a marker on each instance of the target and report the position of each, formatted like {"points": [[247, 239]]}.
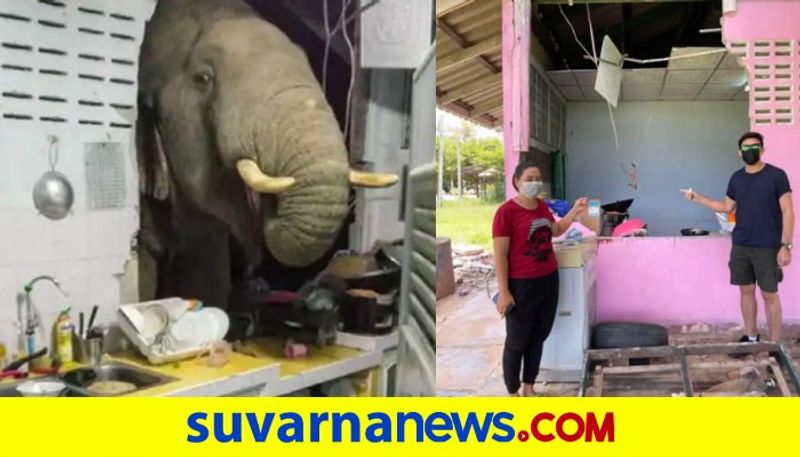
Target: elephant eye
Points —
{"points": [[203, 78]]}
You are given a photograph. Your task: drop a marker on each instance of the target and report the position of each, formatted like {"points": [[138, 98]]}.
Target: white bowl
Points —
{"points": [[41, 388]]}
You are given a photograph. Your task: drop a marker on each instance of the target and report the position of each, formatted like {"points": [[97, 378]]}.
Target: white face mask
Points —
{"points": [[532, 188]]}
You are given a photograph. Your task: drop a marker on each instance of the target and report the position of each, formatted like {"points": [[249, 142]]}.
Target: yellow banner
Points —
{"points": [[385, 427]]}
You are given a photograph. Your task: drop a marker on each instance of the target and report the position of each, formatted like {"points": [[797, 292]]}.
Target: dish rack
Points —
{"points": [[130, 319]]}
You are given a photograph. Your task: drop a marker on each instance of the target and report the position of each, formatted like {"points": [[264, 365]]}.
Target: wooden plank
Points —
{"points": [[598, 382], [485, 107], [587, 367], [480, 85], [516, 95], [450, 32], [448, 6], [464, 54], [776, 370], [728, 348], [685, 375], [593, 2], [629, 353]]}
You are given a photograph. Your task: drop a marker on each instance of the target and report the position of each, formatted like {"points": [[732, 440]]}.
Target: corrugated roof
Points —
{"points": [[469, 60]]}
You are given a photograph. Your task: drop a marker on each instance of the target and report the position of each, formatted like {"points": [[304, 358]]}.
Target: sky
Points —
{"points": [[453, 123]]}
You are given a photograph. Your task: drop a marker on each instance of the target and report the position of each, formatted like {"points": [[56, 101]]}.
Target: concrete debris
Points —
{"points": [[696, 328], [473, 267]]}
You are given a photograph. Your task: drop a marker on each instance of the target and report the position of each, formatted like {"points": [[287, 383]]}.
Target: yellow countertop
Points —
{"points": [[269, 358]]}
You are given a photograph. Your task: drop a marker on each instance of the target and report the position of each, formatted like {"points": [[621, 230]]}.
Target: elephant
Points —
{"points": [[235, 137]]}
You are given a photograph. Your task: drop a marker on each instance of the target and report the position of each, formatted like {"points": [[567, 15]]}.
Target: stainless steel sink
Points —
{"points": [[114, 371]]}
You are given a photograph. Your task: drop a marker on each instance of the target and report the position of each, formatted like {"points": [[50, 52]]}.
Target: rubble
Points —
{"points": [[473, 267]]}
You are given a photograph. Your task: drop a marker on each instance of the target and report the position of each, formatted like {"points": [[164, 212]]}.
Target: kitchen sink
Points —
{"points": [[82, 378], [79, 380]]}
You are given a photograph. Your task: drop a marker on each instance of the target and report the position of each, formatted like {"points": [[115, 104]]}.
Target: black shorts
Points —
{"points": [[755, 265]]}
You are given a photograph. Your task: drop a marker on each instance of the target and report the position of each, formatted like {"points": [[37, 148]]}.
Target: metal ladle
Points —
{"points": [[52, 193]]}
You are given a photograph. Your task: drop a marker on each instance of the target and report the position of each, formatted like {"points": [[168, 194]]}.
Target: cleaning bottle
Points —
{"points": [[63, 330]]}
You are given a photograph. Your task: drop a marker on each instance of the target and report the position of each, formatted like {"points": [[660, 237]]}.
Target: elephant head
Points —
{"points": [[236, 127]]}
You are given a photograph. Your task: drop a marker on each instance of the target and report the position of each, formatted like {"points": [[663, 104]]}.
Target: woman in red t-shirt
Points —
{"points": [[527, 274]]}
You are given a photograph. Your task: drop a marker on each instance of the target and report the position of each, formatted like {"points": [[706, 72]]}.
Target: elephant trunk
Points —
{"points": [[307, 217]]}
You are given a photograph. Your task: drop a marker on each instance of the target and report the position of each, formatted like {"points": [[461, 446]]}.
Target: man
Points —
{"points": [[762, 237]]}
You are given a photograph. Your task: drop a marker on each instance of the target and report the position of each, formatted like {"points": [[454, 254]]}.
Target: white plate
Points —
{"points": [[189, 331], [222, 322]]}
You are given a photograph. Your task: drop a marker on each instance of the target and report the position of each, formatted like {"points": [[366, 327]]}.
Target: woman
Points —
{"points": [[527, 274]]}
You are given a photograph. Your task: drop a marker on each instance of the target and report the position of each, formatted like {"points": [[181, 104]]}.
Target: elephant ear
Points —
{"points": [[154, 176]]}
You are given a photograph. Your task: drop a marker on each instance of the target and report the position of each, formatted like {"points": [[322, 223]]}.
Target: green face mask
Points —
{"points": [[751, 153]]}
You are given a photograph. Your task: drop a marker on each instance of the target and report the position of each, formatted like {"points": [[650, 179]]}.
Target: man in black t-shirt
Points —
{"points": [[762, 237]]}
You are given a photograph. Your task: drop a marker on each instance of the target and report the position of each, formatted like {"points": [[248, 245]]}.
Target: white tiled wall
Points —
{"points": [[87, 249]]}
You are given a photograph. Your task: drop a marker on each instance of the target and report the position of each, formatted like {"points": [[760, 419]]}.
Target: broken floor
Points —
{"points": [[469, 347]]}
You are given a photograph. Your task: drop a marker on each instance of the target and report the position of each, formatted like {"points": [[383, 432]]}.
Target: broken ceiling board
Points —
{"points": [[592, 95], [654, 76], [687, 76], [721, 89], [681, 89], [586, 77], [609, 72], [735, 77], [707, 61], [562, 78], [572, 93], [705, 96], [730, 61], [641, 93]]}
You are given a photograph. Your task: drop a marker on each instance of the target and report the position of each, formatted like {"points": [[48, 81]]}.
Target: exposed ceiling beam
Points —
{"points": [[483, 108], [485, 83], [465, 54], [446, 6], [310, 13], [567, 2], [444, 27]]}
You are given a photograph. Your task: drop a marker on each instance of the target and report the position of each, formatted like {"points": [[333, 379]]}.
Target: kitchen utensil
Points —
{"points": [[693, 232], [189, 331], [90, 350], [80, 377], [620, 206], [22, 361], [80, 326], [91, 318], [223, 322], [41, 388], [53, 195]]}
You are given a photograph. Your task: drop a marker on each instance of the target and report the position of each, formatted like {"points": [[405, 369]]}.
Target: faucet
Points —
{"points": [[31, 318]]}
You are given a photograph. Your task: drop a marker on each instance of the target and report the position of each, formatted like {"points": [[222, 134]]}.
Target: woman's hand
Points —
{"points": [[580, 205], [504, 302]]}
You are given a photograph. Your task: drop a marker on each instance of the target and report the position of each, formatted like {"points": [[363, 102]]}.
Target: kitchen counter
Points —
{"points": [[269, 373]]}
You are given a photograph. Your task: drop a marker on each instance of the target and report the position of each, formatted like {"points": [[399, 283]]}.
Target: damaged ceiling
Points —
{"points": [[469, 52]]}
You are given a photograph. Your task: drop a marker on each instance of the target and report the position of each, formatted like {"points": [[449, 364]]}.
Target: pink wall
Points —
{"points": [[674, 281], [516, 45], [685, 280]]}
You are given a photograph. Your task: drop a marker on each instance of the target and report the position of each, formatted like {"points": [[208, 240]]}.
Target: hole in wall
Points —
{"points": [[14, 17], [52, 24], [46, 71], [83, 9]]}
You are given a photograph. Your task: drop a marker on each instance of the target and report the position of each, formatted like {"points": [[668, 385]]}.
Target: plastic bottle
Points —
{"points": [[63, 337]]}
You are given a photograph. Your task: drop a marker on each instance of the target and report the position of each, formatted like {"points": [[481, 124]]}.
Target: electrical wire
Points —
{"points": [[353, 66], [327, 46], [575, 34]]}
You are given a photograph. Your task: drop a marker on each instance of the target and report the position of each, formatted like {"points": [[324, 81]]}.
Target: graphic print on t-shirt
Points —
{"points": [[539, 236]]}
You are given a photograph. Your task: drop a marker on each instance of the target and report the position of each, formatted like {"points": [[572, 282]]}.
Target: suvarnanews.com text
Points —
{"points": [[379, 427]]}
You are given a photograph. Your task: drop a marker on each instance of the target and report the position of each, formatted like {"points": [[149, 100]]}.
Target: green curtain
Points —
{"points": [[559, 175]]}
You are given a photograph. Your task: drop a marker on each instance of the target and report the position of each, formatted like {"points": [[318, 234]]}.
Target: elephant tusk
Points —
{"points": [[258, 181], [367, 179]]}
